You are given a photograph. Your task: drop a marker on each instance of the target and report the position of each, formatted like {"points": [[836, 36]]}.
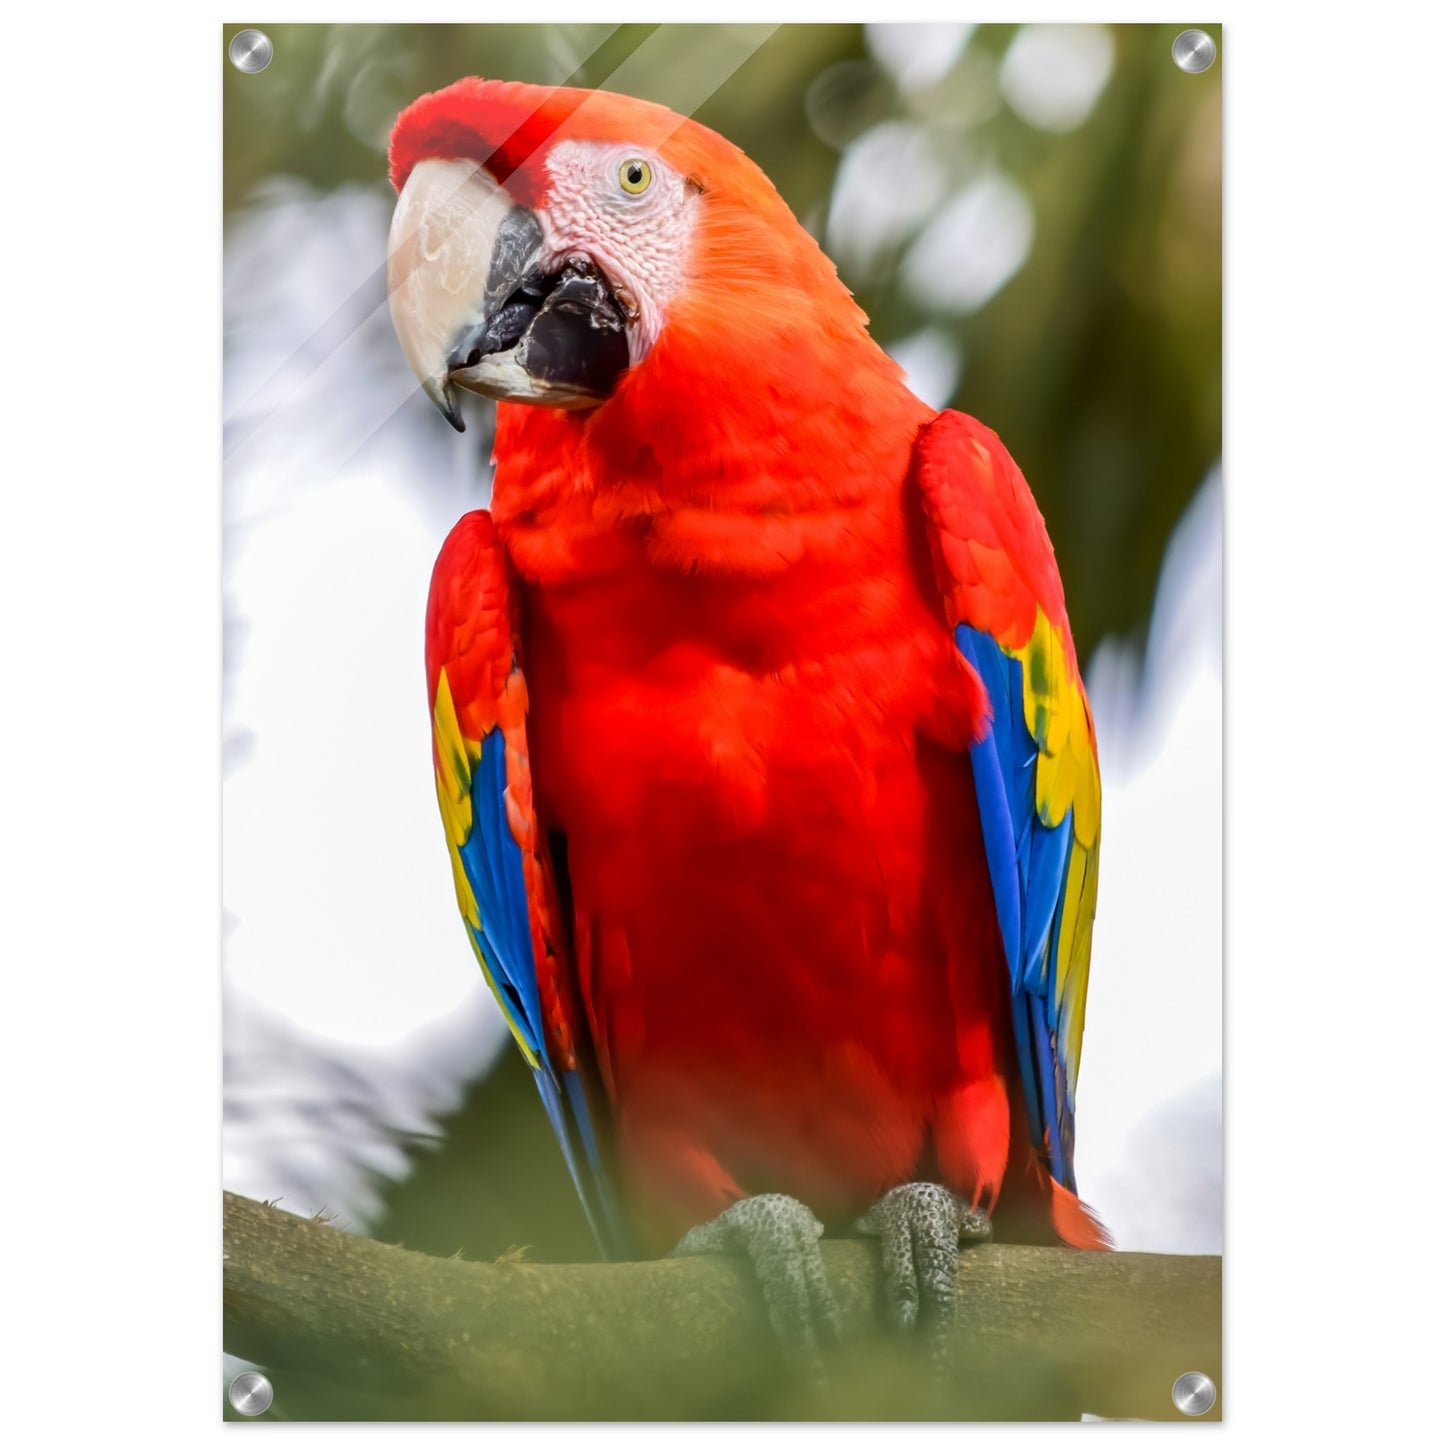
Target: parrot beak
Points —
{"points": [[472, 308]]}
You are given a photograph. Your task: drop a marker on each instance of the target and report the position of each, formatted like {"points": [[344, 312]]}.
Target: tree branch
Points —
{"points": [[1043, 1333]]}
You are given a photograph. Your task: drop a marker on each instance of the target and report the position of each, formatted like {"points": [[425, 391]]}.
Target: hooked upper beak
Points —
{"points": [[473, 308]]}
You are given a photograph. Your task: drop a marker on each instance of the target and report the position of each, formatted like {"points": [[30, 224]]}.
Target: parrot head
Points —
{"points": [[546, 241]]}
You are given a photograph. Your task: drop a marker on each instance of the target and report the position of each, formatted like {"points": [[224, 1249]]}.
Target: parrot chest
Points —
{"points": [[775, 866], [757, 844], [665, 739]]}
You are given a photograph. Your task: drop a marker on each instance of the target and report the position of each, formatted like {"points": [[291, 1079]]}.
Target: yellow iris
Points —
{"points": [[635, 176]]}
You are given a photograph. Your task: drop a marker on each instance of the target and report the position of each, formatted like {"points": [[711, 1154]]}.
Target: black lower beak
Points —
{"points": [[558, 339]]}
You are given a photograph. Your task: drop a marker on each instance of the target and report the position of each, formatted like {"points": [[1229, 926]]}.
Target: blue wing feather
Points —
{"points": [[993, 803], [1048, 1081], [493, 863], [1028, 865], [1049, 855]]}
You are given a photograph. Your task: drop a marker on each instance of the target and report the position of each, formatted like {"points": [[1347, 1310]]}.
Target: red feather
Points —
{"points": [[749, 718]]}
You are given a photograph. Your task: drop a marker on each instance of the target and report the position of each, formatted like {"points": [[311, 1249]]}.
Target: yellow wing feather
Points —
{"points": [[1067, 778], [457, 757]]}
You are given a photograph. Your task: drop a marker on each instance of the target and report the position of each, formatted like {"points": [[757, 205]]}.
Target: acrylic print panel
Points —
{"points": [[753, 694]]}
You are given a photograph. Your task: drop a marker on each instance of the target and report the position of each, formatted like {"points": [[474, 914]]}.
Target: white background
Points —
{"points": [[111, 664]]}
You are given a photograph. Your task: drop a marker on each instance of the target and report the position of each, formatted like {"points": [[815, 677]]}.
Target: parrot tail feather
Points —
{"points": [[1075, 1223]]}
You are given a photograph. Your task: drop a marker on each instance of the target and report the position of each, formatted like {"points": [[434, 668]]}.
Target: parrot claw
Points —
{"points": [[919, 1227], [779, 1235]]}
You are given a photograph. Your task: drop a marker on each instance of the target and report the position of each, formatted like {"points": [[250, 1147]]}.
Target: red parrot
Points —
{"points": [[767, 772]]}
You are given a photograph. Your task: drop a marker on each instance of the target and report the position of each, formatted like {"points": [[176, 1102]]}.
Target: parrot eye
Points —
{"points": [[635, 175]]}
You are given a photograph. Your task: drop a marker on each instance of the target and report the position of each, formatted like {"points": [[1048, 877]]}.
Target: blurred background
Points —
{"points": [[1031, 217]]}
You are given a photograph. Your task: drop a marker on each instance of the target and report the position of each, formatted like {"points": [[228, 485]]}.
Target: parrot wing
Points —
{"points": [[501, 863], [1036, 769]]}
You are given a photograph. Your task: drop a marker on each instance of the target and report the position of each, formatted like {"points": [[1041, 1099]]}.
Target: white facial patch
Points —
{"points": [[641, 241]]}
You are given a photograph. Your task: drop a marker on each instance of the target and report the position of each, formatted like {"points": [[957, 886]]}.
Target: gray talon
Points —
{"points": [[919, 1227], [974, 1226], [779, 1235]]}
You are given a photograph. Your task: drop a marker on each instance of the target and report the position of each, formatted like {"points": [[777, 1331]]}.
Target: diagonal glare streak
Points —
{"points": [[690, 94], [235, 417]]}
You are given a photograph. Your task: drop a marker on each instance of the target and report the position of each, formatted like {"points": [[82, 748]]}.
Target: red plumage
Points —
{"points": [[749, 718]]}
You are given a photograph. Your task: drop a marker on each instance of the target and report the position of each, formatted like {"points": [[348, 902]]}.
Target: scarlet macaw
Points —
{"points": [[768, 777]]}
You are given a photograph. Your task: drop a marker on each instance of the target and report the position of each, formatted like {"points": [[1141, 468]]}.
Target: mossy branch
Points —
{"points": [[389, 1333]]}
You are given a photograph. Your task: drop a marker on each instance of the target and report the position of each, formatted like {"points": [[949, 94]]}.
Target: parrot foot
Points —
{"points": [[779, 1235], [919, 1227]]}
